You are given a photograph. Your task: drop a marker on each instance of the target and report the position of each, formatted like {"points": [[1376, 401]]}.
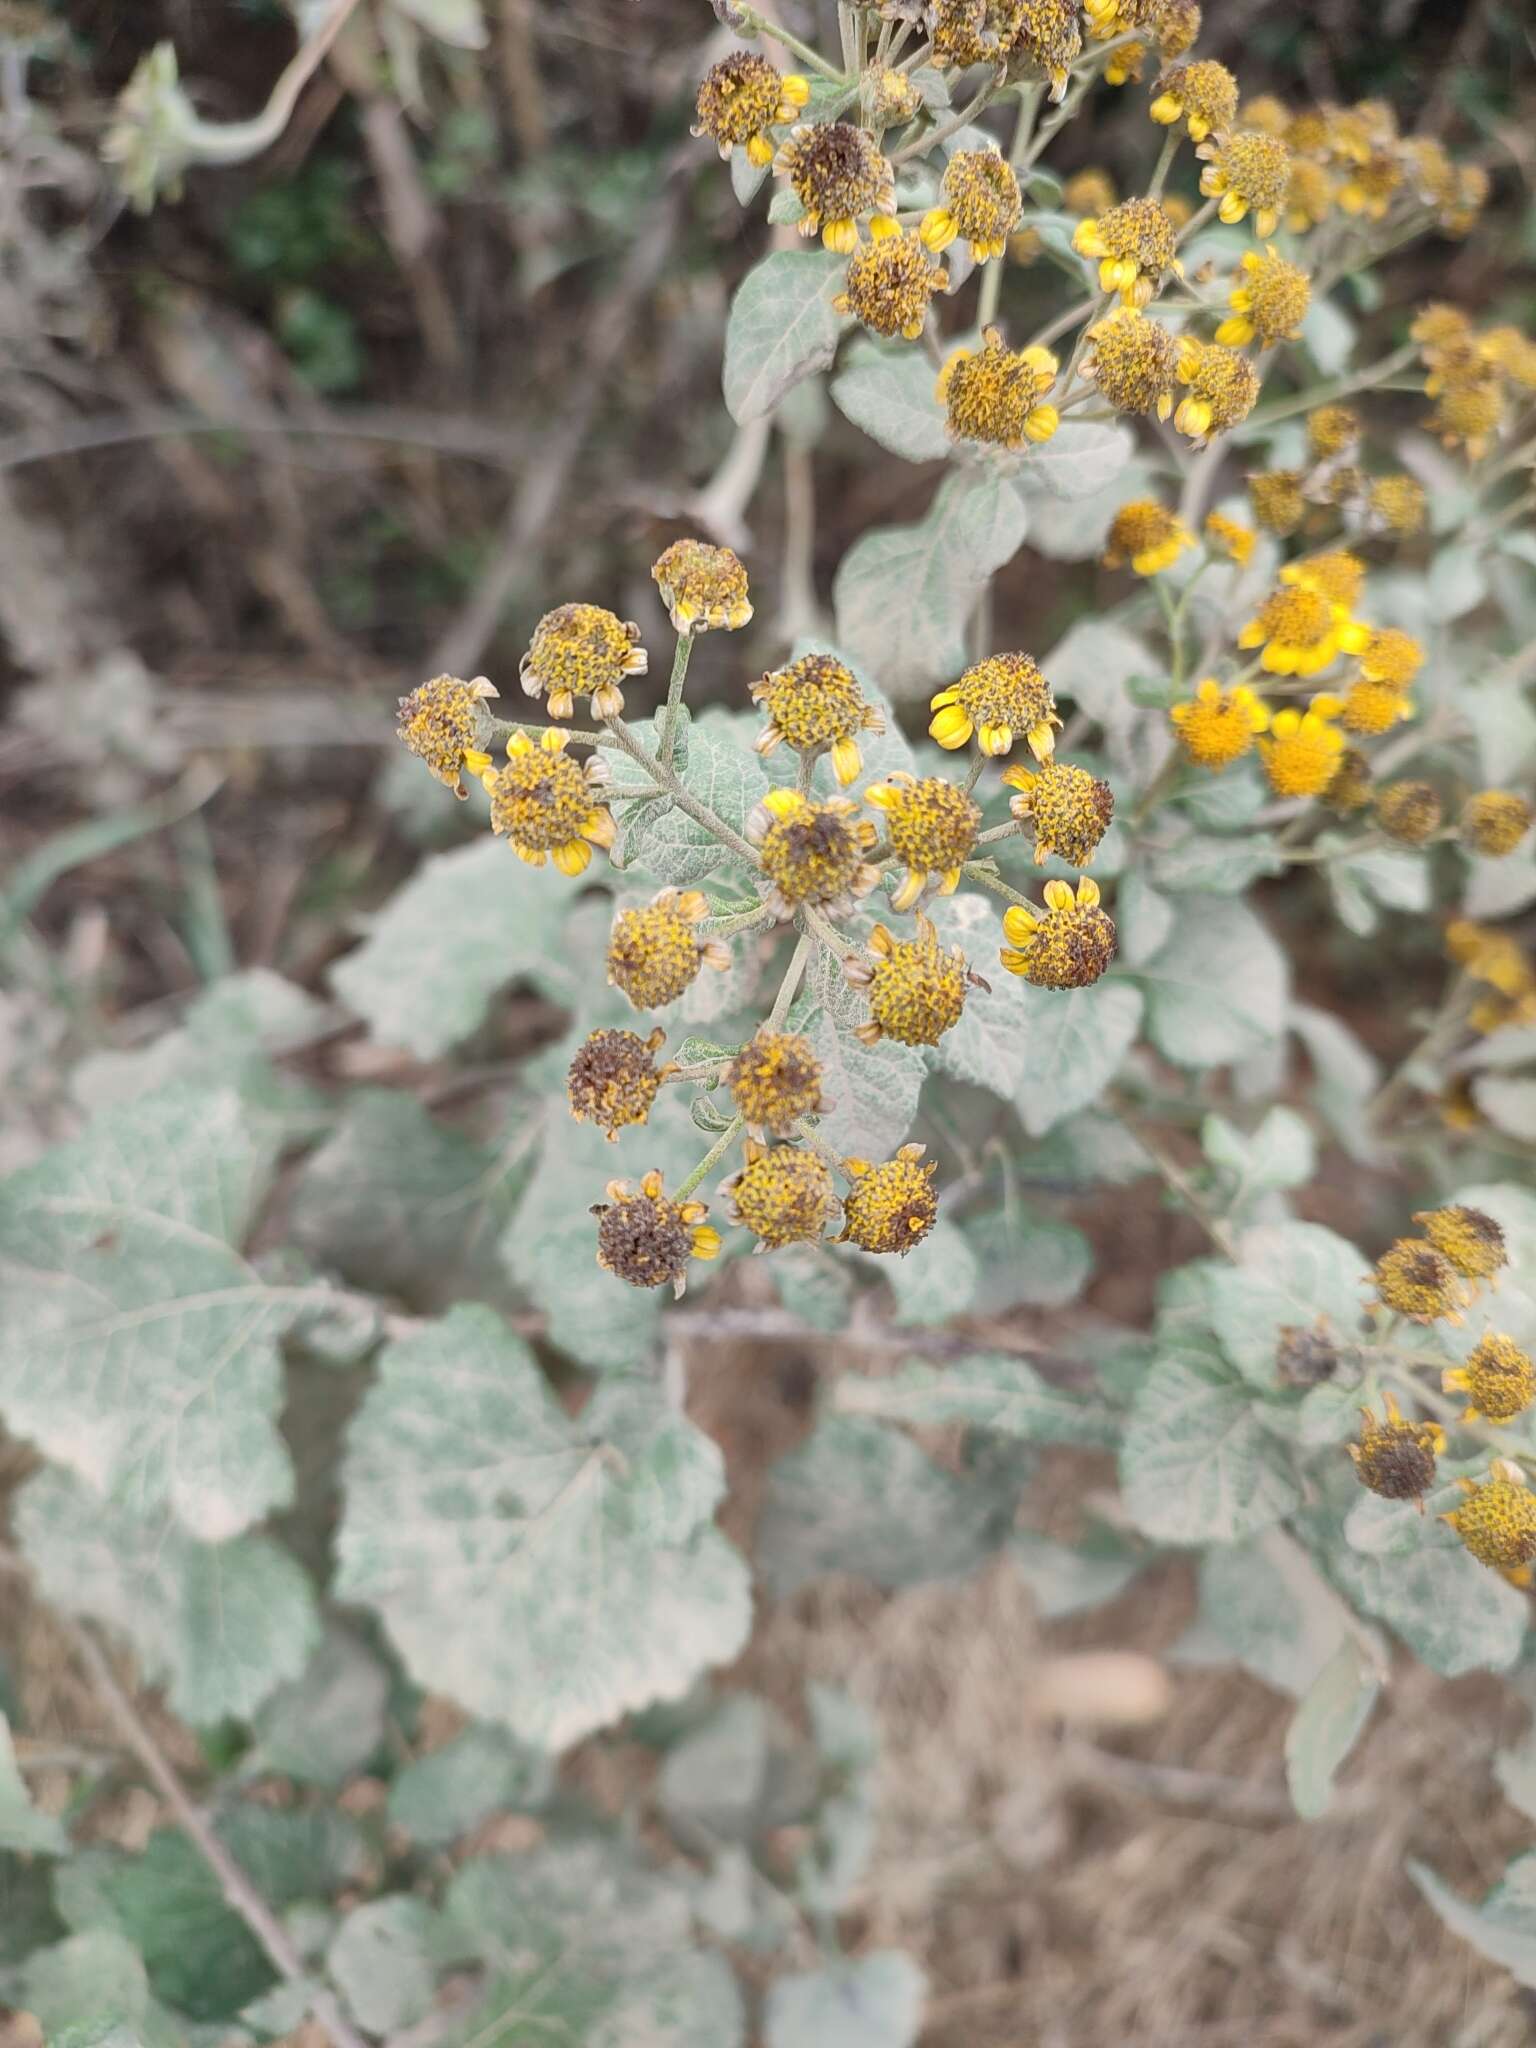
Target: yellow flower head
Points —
{"points": [[654, 952], [889, 1207], [440, 724], [1414, 1280], [1390, 656], [1148, 536], [1301, 631], [932, 826], [916, 988], [1369, 186], [1369, 708], [646, 1239], [998, 700], [1309, 200], [1336, 575], [1135, 244], [815, 704], [812, 852], [1109, 18], [1177, 23], [1202, 95], [1497, 1521], [1271, 116], [1250, 173], [969, 32], [1396, 1458], [1223, 388], [1494, 821], [1512, 352], [1067, 945], [889, 97], [1409, 812], [840, 178], [1469, 415], [1307, 133], [995, 394], [546, 804], [702, 586], [1332, 430], [1492, 958], [580, 650], [1447, 343], [1302, 753], [613, 1079], [1217, 727], [979, 202], [1070, 809], [782, 1194], [1227, 537], [1269, 302], [1498, 1378], [1470, 1238], [1278, 501], [1134, 362], [890, 281], [741, 98], [1047, 42], [1089, 191], [775, 1079]]}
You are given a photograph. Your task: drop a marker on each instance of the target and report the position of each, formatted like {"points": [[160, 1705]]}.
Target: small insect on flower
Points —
{"points": [[1497, 1521], [1396, 1459], [1415, 1280], [546, 804], [647, 1239], [1331, 429], [812, 852], [1470, 1238], [932, 826], [440, 724], [1217, 727], [1269, 302], [995, 394], [1223, 388], [1047, 43], [1229, 538], [1498, 1379], [702, 586], [840, 178], [1279, 503], [1250, 173], [1067, 945], [889, 1207], [580, 650], [654, 952], [916, 987], [613, 1079], [1135, 244], [1147, 535], [775, 1079], [1493, 822], [1301, 632], [979, 202], [741, 98], [1302, 752], [1070, 809], [816, 704], [1202, 95], [1134, 362], [783, 1195], [1409, 812], [997, 699], [890, 282]]}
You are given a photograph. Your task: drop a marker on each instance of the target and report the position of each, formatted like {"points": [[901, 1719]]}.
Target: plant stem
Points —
{"points": [[681, 795], [1337, 387], [819, 1146], [793, 974], [710, 1161], [1179, 1183], [825, 930], [235, 142], [1164, 164], [992, 275], [921, 144], [759, 25], [979, 871], [680, 659], [995, 832]]}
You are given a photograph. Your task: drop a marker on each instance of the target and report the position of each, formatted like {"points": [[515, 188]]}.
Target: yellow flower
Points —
{"points": [[741, 98], [613, 1079], [932, 826], [1395, 1458], [967, 32], [1266, 113], [1309, 199], [1133, 361], [1089, 191], [979, 202], [1227, 537], [1149, 535], [1469, 415], [1336, 575], [812, 852], [1301, 632], [775, 1079], [1470, 1238], [1135, 245], [1416, 1281], [1250, 172], [1070, 809], [440, 724], [1223, 388], [579, 650], [1369, 708], [1177, 23], [890, 281], [654, 953], [1068, 945], [815, 704], [546, 805], [916, 989], [1370, 187], [1278, 503], [1497, 1521], [1409, 812], [1110, 18], [1332, 430], [1498, 1376], [782, 1194], [1390, 656], [1203, 95], [1217, 727], [1268, 304], [997, 700], [1494, 821], [646, 1239], [840, 178], [1512, 352], [702, 586], [1302, 753], [890, 1207], [1048, 40], [995, 394], [888, 97]]}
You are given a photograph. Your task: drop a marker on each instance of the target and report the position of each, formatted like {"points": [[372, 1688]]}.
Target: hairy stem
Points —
{"points": [[681, 795], [710, 1161], [755, 24], [793, 975], [1336, 387], [680, 659]]}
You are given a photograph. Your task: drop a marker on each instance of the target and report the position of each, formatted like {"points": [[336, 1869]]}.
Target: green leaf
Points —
{"points": [[1515, 1770], [1075, 530], [1452, 1612], [1069, 1579], [1264, 1605], [869, 2001], [448, 1794], [1198, 1464], [1073, 1043], [1509, 1103], [933, 1281], [90, 1977], [716, 1778], [988, 1045], [550, 1575], [1503, 1927], [1143, 919], [1026, 1259], [887, 389], [222, 1625], [721, 770], [1387, 875], [381, 1962], [1217, 991], [781, 328], [1279, 1153], [1225, 802], [1327, 1724], [1346, 1076], [873, 1089], [1082, 458], [22, 1825], [1291, 1276], [814, 1284], [903, 594], [746, 177], [985, 1391], [1207, 865], [466, 925], [323, 1726], [842, 1844], [1458, 582]]}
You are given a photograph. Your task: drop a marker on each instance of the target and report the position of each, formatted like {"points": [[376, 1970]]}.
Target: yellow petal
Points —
{"points": [[706, 1242], [846, 761], [572, 858], [951, 728], [1019, 924]]}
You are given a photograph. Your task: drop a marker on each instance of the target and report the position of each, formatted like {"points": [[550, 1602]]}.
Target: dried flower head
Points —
{"points": [[1217, 727], [979, 202], [440, 723], [1409, 812], [1089, 191], [812, 852], [1470, 1238], [1351, 788], [775, 1079], [1177, 26], [969, 32], [647, 1239], [916, 986], [889, 97], [580, 650], [1249, 172], [1302, 751], [1332, 430], [1396, 1458], [1070, 809], [1494, 821], [1047, 43], [703, 587], [1306, 1358], [1301, 632], [1202, 95], [547, 805], [1279, 504], [1147, 535], [783, 1194], [1269, 302], [1135, 244], [1309, 199], [840, 178], [654, 951], [997, 699], [1497, 1521], [613, 1079], [995, 394], [891, 278], [932, 826], [1415, 1280], [889, 1207], [1498, 1379], [1067, 945], [1223, 388], [741, 98], [1469, 415], [814, 704], [1134, 362], [1228, 537]]}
